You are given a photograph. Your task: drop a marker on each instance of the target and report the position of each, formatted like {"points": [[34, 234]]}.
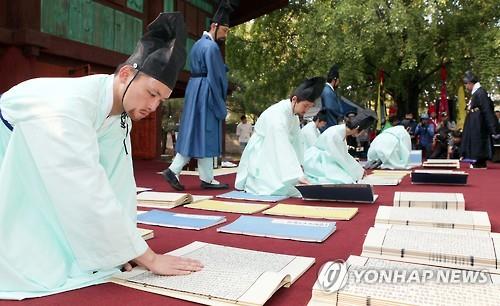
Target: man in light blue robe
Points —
{"points": [[271, 161], [204, 110], [331, 100], [328, 161], [67, 190], [392, 147], [311, 131]]}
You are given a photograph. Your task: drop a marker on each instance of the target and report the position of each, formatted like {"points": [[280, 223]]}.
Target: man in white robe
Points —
{"points": [[67, 190], [271, 161], [392, 147], [311, 131], [328, 161]]}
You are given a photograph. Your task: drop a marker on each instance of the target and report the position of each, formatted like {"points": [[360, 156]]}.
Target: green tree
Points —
{"points": [[408, 40]]}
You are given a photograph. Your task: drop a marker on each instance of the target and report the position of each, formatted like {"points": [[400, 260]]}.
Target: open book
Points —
{"points": [[166, 200], [230, 275], [440, 287]]}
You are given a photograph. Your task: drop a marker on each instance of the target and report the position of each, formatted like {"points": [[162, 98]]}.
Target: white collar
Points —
{"points": [[476, 87], [208, 34], [330, 86]]}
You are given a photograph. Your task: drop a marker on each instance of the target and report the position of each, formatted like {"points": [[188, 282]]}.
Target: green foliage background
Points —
{"points": [[409, 40]]}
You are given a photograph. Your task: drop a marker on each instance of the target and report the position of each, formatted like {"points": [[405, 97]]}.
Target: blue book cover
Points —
{"points": [[241, 195], [185, 221], [301, 230]]}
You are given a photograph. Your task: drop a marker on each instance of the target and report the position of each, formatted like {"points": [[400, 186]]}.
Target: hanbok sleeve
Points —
{"points": [[97, 227], [217, 81]]}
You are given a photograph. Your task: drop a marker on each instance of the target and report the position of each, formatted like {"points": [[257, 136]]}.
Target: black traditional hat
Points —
{"points": [[333, 74], [363, 120], [161, 52], [321, 116], [470, 77], [310, 89], [226, 7]]}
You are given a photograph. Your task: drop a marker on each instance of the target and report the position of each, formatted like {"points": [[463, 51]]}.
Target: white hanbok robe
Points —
{"points": [[310, 134], [328, 161], [271, 161], [392, 147], [67, 190]]}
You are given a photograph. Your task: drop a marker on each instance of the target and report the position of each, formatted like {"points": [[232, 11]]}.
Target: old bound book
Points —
{"points": [[301, 230], [452, 248], [231, 207], [439, 200], [406, 284], [167, 200], [317, 212], [442, 163], [230, 275], [439, 177], [430, 217], [359, 193]]}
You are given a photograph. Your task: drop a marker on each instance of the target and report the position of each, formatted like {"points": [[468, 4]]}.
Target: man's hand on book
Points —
{"points": [[167, 264]]}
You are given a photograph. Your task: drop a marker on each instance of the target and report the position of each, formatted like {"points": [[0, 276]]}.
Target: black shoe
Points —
{"points": [[478, 165], [206, 185], [170, 177]]}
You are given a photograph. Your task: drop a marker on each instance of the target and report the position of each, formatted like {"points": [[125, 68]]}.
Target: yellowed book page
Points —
{"points": [[321, 212], [232, 207]]}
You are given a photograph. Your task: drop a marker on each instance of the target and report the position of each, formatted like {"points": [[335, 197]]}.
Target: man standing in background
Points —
{"points": [[204, 111], [243, 131], [480, 124], [330, 99]]}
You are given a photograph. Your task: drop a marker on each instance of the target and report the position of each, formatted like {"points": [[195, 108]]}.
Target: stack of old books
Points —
{"points": [[481, 288], [453, 248]]}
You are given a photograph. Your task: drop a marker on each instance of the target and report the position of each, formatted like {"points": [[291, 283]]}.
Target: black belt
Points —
{"points": [[199, 75], [7, 124]]}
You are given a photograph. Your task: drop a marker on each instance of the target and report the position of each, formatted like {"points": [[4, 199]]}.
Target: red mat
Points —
{"points": [[481, 193]]}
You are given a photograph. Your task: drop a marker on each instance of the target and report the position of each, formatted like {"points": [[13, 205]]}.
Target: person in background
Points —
{"points": [[328, 161], [311, 131], [330, 99], [392, 148], [271, 162], [243, 131], [410, 125], [425, 134], [204, 110], [351, 140], [454, 145], [480, 124]]}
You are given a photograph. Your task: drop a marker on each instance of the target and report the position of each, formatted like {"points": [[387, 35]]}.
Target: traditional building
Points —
{"points": [[65, 38]]}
